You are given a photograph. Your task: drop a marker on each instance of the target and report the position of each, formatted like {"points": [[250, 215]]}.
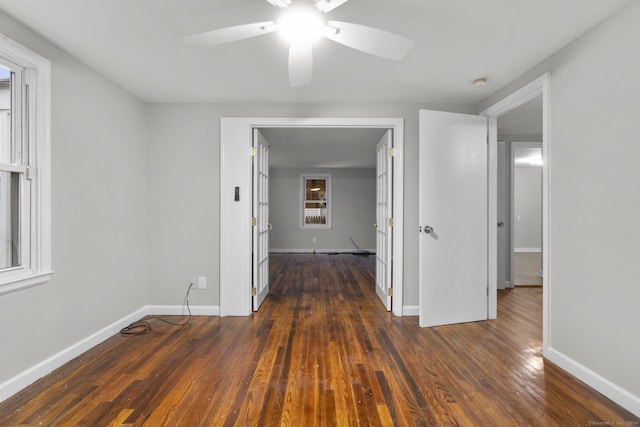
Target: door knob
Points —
{"points": [[428, 229], [501, 224]]}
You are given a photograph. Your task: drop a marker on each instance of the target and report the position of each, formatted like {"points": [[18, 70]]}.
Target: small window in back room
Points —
{"points": [[316, 201]]}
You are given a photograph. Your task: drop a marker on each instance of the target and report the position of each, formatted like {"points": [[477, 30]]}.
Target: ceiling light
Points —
{"points": [[535, 160], [300, 26], [315, 189]]}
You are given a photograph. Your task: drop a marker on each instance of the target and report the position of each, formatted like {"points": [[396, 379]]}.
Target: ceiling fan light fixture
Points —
{"points": [[301, 27]]}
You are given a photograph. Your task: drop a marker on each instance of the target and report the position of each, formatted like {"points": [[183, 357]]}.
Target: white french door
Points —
{"points": [[453, 215], [384, 215], [261, 225]]}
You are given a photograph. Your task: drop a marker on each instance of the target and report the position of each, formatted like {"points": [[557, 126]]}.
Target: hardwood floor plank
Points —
{"points": [[320, 352]]}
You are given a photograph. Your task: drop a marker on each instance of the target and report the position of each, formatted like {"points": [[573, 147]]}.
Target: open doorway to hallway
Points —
{"points": [[330, 192], [519, 201], [236, 137]]}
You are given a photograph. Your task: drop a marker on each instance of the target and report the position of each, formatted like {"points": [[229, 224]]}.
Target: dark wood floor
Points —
{"points": [[321, 351]]}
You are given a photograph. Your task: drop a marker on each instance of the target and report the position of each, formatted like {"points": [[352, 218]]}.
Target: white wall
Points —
{"points": [[184, 181], [99, 210], [527, 200], [594, 205], [353, 212]]}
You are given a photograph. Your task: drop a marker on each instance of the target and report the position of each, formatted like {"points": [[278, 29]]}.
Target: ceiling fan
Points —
{"points": [[301, 27]]}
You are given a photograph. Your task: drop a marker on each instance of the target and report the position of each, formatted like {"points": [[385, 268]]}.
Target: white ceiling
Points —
{"points": [[322, 147], [136, 43]]}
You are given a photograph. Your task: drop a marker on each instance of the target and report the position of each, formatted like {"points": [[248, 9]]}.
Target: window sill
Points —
{"points": [[14, 284]]}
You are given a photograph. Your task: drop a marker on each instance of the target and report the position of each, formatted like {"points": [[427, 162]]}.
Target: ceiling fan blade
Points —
{"points": [[300, 65], [230, 34], [368, 39], [328, 5], [280, 3]]}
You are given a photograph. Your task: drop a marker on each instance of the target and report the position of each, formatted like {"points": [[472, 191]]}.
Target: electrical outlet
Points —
{"points": [[202, 282]]}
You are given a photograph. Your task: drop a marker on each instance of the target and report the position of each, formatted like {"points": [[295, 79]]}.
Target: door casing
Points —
{"points": [[235, 216], [537, 87]]}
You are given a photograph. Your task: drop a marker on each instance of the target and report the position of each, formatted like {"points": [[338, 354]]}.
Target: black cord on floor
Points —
{"points": [[143, 326]]}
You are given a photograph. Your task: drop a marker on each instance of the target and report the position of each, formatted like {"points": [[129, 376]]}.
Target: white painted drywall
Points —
{"points": [[594, 204], [353, 211], [184, 181], [99, 212]]}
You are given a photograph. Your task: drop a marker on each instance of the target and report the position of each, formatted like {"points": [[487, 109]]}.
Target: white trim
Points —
{"points": [[411, 310], [181, 310], [319, 251], [39, 268], [29, 376], [27, 281], [540, 86], [622, 397], [235, 171], [532, 250], [39, 370]]}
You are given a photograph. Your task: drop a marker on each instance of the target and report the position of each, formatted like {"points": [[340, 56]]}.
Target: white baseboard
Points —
{"points": [[536, 250], [612, 391], [29, 376], [320, 251], [34, 373], [179, 310], [411, 310]]}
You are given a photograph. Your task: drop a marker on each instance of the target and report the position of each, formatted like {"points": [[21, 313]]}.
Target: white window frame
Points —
{"points": [[36, 203], [328, 199]]}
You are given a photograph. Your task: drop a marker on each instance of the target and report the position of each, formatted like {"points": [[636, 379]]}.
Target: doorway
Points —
{"points": [[519, 198], [538, 88], [330, 193], [526, 208], [235, 192]]}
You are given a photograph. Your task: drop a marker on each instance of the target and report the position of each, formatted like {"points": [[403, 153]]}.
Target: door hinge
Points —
{"points": [[392, 152], [253, 151], [390, 292], [254, 221], [253, 292], [392, 222]]}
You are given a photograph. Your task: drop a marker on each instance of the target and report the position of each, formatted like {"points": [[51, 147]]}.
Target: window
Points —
{"points": [[25, 207], [316, 201]]}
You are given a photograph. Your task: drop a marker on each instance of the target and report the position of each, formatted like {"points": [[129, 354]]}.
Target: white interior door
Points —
{"points": [[261, 225], [453, 218], [384, 212]]}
